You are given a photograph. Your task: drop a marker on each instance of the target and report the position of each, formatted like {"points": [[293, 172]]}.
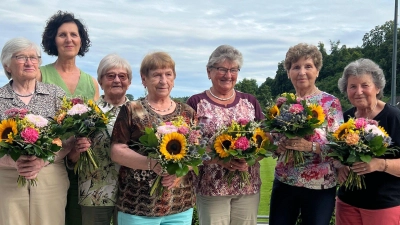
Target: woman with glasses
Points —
{"points": [[217, 201], [98, 189], [43, 203], [66, 37]]}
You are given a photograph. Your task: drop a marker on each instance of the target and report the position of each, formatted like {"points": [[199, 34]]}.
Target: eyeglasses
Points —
{"points": [[24, 59], [223, 70], [121, 76]]}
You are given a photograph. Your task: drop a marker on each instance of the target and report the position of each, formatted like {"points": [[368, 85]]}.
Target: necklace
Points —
{"points": [[19, 95], [159, 110], [309, 94], [223, 99]]}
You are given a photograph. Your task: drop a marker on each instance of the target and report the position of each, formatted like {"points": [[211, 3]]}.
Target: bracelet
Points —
{"points": [[386, 166], [149, 165], [314, 147]]}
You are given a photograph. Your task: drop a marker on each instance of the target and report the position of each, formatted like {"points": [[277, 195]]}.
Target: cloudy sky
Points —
{"points": [[189, 31]]}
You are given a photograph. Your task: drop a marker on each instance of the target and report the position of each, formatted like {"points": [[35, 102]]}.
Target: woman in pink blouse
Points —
{"points": [[309, 187], [216, 201]]}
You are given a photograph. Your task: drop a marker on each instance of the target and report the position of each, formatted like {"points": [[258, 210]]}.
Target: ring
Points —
{"points": [[365, 169], [231, 166]]}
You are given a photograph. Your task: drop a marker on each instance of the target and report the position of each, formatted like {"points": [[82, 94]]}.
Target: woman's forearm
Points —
{"points": [[123, 155]]}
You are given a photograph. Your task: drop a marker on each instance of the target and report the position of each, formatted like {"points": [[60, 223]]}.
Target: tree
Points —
{"points": [[130, 97], [247, 86], [378, 46]]}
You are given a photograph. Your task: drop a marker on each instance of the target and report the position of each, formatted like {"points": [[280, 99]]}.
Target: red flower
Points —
{"points": [[76, 101], [30, 135]]}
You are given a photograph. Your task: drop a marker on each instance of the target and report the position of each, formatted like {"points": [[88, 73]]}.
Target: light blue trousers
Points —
{"points": [[183, 218]]}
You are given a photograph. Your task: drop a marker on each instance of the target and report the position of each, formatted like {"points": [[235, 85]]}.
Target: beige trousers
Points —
{"points": [[43, 204], [228, 210]]}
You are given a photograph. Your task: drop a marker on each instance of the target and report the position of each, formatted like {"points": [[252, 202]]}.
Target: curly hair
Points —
{"points": [[51, 29], [303, 50]]}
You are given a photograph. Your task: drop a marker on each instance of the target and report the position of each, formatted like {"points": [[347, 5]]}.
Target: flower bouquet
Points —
{"points": [[81, 118], [176, 145], [242, 139], [358, 140], [23, 133], [294, 118]]}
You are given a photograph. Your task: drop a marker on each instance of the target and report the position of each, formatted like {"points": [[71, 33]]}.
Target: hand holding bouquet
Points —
{"points": [[358, 140], [81, 118], [176, 145], [294, 118], [25, 134], [243, 140]]}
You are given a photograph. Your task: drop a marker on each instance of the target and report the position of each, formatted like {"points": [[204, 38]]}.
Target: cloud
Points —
{"points": [[190, 31]]}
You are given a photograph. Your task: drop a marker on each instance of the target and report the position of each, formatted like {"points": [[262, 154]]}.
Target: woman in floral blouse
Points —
{"points": [[98, 189], [309, 187], [218, 202]]}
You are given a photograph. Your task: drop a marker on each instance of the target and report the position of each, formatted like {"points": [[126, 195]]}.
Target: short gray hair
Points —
{"points": [[225, 52], [362, 67], [111, 61], [17, 45]]}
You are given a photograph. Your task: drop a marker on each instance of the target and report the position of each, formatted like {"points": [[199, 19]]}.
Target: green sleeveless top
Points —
{"points": [[85, 87]]}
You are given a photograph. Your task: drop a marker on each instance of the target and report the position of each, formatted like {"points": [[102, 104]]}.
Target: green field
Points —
{"points": [[267, 177]]}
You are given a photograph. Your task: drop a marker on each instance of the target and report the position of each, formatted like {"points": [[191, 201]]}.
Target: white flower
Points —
{"points": [[78, 109], [166, 129], [37, 120], [374, 130]]}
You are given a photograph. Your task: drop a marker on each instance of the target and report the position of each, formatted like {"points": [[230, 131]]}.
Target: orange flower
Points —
{"points": [[57, 141], [352, 139], [61, 117]]}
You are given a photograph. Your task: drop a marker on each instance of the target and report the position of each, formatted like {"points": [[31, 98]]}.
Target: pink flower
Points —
{"points": [[360, 123], [13, 112], [183, 130], [296, 108], [242, 143], [30, 135], [37, 120], [76, 101], [168, 123], [280, 101], [372, 122], [194, 137], [243, 121], [78, 109], [166, 129]]}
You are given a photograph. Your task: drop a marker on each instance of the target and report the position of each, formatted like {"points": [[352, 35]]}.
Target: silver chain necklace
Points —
{"points": [[19, 95], [223, 99], [158, 110]]}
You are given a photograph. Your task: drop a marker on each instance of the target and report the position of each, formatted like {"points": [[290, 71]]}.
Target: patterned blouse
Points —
{"points": [[134, 184], [99, 188], [318, 171], [211, 180]]}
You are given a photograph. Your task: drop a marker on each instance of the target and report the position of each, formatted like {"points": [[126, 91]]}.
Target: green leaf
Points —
{"points": [[365, 158]]}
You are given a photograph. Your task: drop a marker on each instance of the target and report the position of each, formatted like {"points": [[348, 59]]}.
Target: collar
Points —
{"points": [[7, 91]]}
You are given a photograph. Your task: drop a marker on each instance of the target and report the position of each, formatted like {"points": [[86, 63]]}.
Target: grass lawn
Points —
{"points": [[267, 177]]}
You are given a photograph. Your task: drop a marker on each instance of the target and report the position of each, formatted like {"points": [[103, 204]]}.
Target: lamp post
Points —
{"points": [[394, 57]]}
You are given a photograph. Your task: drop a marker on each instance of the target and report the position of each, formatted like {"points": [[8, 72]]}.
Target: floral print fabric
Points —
{"points": [[318, 171], [211, 181]]}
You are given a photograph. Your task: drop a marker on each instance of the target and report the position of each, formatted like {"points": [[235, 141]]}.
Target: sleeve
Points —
{"points": [[259, 115], [122, 127], [192, 102], [393, 126], [334, 118]]}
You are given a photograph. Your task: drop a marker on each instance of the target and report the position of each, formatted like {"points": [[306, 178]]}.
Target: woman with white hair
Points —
{"points": [[44, 203], [98, 189]]}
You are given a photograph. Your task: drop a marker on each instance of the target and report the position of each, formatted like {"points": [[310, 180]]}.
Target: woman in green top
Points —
{"points": [[66, 37]]}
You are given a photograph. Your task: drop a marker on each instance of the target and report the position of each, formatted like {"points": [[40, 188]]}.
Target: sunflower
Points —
{"points": [[8, 128], [259, 138], [173, 146], [383, 131], [317, 112], [342, 131], [222, 144], [104, 118], [274, 111]]}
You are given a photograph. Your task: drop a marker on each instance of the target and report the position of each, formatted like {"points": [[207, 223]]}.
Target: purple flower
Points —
{"points": [[243, 121]]}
